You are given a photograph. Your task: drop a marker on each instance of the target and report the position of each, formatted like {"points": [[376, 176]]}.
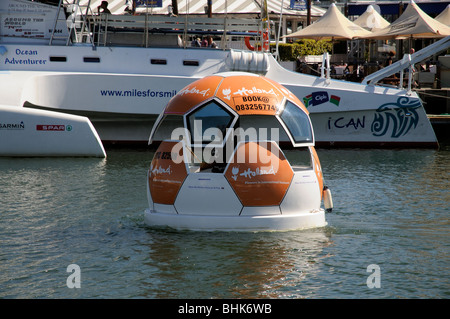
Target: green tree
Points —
{"points": [[290, 51]]}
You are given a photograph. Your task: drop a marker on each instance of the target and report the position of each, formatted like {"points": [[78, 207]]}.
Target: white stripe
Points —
{"points": [[197, 6]]}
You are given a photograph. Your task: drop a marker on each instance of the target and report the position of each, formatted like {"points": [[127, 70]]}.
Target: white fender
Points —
{"points": [[327, 199]]}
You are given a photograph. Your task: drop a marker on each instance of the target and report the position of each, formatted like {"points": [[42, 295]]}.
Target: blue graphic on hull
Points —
{"points": [[396, 118]]}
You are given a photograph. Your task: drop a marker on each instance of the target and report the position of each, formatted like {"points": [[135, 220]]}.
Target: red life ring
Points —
{"points": [[265, 45]]}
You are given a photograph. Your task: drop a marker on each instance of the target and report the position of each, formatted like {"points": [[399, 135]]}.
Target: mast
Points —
{"points": [[175, 7], [265, 23], [209, 8], [308, 12]]}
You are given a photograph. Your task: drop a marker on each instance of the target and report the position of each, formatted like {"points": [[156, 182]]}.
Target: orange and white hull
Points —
{"points": [[246, 196], [223, 170]]}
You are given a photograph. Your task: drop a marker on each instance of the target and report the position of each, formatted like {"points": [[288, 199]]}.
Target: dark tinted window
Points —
{"points": [[211, 115], [297, 123]]}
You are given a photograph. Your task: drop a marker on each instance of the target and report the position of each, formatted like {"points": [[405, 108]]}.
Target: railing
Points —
{"points": [[408, 62], [105, 24], [78, 27], [98, 29], [73, 23]]}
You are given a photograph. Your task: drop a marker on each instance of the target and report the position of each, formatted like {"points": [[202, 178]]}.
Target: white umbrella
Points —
{"points": [[444, 16], [371, 20], [332, 25], [413, 23]]}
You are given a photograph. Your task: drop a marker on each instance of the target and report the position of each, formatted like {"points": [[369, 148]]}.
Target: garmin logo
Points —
{"points": [[12, 126]]}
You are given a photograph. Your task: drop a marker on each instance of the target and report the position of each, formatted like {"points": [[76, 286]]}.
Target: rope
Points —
{"points": [[312, 69], [433, 95]]}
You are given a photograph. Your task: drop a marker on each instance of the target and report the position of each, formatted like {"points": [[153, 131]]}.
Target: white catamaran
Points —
{"points": [[121, 70]]}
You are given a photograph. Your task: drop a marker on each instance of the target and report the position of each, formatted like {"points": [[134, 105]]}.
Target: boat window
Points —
{"points": [[261, 127], [158, 61], [191, 62], [299, 158], [58, 59], [171, 127], [297, 122], [209, 123], [91, 59]]}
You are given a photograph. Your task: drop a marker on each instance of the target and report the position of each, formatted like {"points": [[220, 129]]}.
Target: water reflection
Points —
{"points": [[227, 265], [43, 183], [399, 218], [391, 209]]}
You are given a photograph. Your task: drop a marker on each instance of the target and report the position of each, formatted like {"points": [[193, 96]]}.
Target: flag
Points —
{"points": [[335, 100]]}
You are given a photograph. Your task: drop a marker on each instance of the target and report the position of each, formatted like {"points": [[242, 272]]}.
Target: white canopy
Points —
{"points": [[332, 25], [218, 7], [444, 16], [413, 23], [371, 20]]}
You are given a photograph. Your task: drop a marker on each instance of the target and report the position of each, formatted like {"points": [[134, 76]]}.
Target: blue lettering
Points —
{"points": [[24, 61], [336, 123], [26, 52], [138, 93], [343, 123], [361, 123]]}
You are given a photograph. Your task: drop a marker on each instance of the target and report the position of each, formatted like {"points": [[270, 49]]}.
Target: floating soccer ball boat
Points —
{"points": [[219, 165]]}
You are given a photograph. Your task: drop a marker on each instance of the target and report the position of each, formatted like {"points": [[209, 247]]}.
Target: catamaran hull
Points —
{"points": [[35, 133], [123, 105]]}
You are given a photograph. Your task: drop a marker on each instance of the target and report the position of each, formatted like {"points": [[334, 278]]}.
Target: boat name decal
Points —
{"points": [[396, 118], [161, 170], [248, 173], [26, 52], [173, 156], [342, 122], [20, 60], [194, 90], [246, 92], [53, 127], [138, 93], [320, 97], [25, 61], [12, 126]]}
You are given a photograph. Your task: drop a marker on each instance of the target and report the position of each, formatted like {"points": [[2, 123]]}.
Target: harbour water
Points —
{"points": [[387, 237]]}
